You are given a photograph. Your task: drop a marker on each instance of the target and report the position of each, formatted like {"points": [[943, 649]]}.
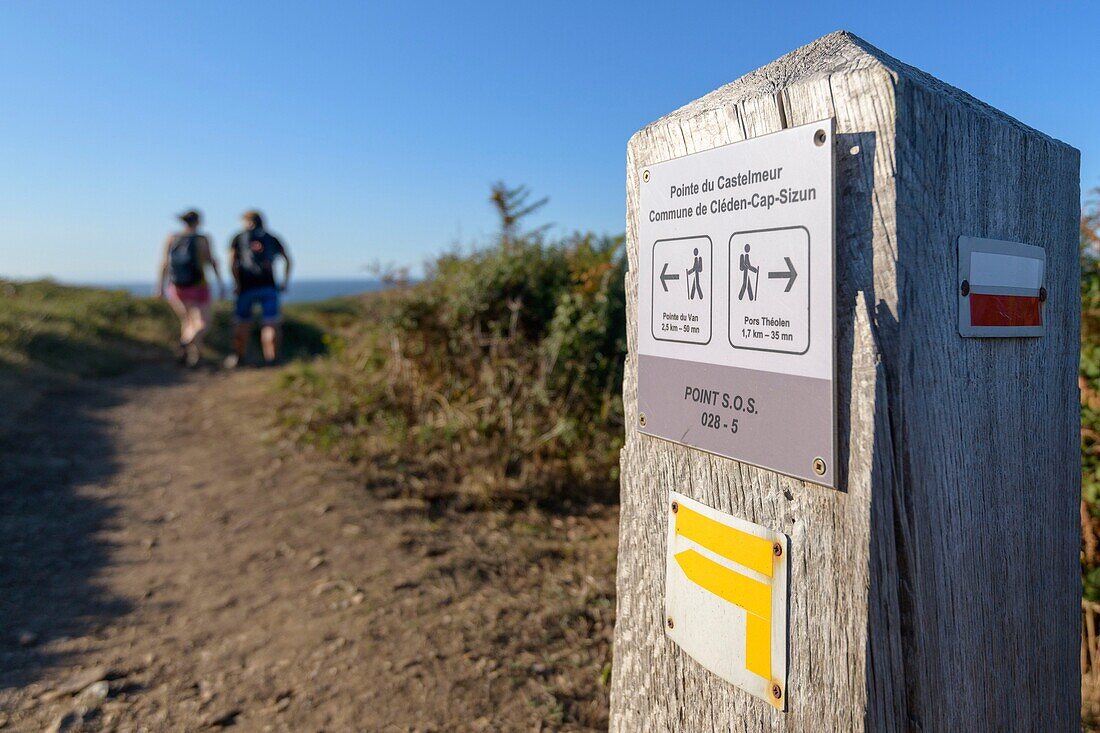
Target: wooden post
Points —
{"points": [[938, 589]]}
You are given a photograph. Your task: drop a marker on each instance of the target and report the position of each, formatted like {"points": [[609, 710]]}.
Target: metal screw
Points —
{"points": [[819, 138], [1042, 295], [675, 507], [777, 691], [777, 549], [641, 419], [819, 466], [669, 622], [965, 288], [645, 176]]}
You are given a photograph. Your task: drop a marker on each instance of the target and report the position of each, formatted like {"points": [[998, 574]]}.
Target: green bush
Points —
{"points": [[499, 376], [1090, 397]]}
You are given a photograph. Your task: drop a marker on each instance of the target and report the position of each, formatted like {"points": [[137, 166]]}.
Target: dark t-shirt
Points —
{"points": [[256, 252]]}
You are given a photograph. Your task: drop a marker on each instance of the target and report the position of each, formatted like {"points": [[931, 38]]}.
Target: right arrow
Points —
{"points": [[665, 277], [790, 274]]}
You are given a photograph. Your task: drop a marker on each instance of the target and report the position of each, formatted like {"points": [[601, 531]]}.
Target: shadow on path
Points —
{"points": [[50, 520]]}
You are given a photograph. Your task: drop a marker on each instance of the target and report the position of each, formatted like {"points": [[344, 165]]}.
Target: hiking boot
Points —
{"points": [[231, 361], [193, 358]]}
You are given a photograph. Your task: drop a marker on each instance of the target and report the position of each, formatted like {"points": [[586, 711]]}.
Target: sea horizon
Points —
{"points": [[302, 290]]}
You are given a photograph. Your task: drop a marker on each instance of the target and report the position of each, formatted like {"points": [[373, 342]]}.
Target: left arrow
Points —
{"points": [[665, 277]]}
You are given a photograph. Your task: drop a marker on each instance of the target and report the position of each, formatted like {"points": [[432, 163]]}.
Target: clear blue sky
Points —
{"points": [[370, 130]]}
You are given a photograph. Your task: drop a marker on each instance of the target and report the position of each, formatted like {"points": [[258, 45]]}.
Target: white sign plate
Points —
{"points": [[736, 290], [726, 596]]}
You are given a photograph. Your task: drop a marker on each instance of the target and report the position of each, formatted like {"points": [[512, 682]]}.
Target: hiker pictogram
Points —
{"points": [[750, 276], [696, 270], [772, 309], [682, 290]]}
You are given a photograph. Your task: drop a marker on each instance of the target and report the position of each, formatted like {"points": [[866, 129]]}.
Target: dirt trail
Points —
{"points": [[157, 537]]}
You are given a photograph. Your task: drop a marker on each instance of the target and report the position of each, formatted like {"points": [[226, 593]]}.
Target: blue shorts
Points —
{"points": [[268, 299]]}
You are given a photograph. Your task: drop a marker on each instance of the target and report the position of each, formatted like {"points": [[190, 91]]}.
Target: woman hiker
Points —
{"points": [[186, 257]]}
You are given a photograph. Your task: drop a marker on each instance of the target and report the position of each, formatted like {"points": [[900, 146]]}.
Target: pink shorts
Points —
{"points": [[190, 295]]}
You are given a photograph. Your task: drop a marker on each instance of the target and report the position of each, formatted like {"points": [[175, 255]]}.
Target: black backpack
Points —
{"points": [[184, 268]]}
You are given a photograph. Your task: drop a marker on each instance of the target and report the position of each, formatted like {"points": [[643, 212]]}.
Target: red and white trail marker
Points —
{"points": [[1001, 290]]}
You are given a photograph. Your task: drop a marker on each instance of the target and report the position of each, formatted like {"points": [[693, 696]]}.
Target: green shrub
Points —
{"points": [[499, 376], [1090, 398]]}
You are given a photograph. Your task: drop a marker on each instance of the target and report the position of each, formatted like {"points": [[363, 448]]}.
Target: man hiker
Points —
{"points": [[252, 256], [186, 257]]}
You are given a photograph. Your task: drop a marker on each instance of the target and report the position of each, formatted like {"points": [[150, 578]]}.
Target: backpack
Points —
{"points": [[184, 268]]}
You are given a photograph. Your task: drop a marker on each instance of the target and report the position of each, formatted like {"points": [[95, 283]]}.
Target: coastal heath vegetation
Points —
{"points": [[496, 380], [1089, 382]]}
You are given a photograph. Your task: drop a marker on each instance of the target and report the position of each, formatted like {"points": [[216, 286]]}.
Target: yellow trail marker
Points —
{"points": [[733, 544], [740, 590], [720, 569]]}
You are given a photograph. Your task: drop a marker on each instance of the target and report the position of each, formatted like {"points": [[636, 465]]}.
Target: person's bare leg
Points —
{"points": [[180, 310], [240, 344], [269, 338], [240, 338], [199, 317]]}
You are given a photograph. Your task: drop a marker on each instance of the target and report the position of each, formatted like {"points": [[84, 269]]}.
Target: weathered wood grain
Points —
{"points": [[940, 590]]}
